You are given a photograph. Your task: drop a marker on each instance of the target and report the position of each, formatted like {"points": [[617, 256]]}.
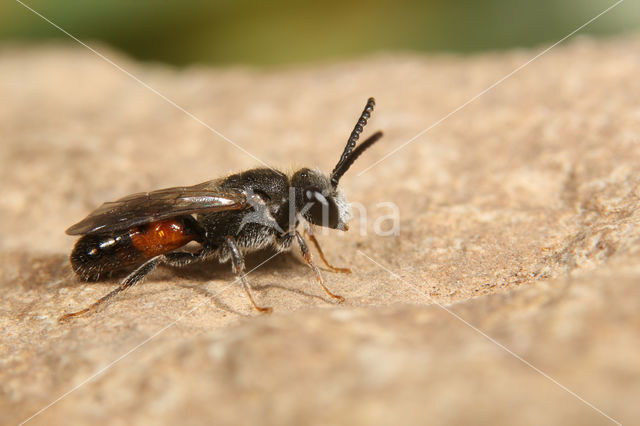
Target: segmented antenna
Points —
{"points": [[340, 169], [354, 155]]}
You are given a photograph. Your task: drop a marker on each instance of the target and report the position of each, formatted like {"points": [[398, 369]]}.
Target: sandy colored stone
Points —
{"points": [[518, 227]]}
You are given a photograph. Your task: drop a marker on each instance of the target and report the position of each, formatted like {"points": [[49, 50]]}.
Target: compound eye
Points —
{"points": [[319, 209]]}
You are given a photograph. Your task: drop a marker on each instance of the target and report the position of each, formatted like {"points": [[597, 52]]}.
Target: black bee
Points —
{"points": [[228, 217]]}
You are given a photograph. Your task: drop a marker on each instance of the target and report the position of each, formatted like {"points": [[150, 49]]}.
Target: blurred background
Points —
{"points": [[289, 32]]}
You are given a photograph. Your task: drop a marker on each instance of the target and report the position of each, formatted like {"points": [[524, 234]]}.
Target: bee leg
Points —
{"points": [[309, 233], [237, 260], [307, 257], [171, 259]]}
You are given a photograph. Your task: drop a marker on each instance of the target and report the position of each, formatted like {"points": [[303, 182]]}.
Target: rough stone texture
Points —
{"points": [[519, 219]]}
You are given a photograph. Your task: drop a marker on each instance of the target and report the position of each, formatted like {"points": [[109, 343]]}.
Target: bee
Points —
{"points": [[252, 210]]}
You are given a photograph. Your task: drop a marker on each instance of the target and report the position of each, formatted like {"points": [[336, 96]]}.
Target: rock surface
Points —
{"points": [[510, 295]]}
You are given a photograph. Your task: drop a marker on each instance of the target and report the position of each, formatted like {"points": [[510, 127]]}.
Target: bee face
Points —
{"points": [[318, 201]]}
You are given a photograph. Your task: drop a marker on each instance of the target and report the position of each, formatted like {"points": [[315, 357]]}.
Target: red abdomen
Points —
{"points": [[157, 238]]}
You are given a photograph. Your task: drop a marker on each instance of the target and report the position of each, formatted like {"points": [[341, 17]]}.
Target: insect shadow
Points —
{"points": [[264, 260]]}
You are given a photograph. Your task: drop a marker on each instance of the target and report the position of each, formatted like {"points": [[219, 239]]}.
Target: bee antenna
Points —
{"points": [[337, 174], [344, 162]]}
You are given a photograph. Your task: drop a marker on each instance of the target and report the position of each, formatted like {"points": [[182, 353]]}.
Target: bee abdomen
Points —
{"points": [[95, 255]]}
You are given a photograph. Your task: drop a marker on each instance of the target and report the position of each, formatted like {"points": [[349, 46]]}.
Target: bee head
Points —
{"points": [[318, 198], [318, 201]]}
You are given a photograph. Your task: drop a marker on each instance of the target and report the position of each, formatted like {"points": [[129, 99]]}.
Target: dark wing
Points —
{"points": [[146, 207]]}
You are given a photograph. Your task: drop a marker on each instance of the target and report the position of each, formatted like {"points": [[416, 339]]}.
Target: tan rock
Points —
{"points": [[512, 293]]}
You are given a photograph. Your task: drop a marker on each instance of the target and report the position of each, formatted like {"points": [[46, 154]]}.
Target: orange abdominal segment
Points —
{"points": [[161, 237]]}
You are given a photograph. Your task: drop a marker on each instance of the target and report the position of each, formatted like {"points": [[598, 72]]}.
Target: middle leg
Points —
{"points": [[237, 260]]}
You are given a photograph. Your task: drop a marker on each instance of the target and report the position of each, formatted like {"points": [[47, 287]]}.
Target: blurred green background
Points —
{"points": [[287, 31]]}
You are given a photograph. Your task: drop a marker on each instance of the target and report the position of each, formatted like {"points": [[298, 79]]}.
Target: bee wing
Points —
{"points": [[146, 207]]}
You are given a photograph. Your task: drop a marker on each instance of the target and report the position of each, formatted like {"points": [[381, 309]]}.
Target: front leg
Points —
{"points": [[309, 233], [306, 254]]}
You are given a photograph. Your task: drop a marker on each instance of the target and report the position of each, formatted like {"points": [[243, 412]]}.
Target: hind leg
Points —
{"points": [[176, 259]]}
